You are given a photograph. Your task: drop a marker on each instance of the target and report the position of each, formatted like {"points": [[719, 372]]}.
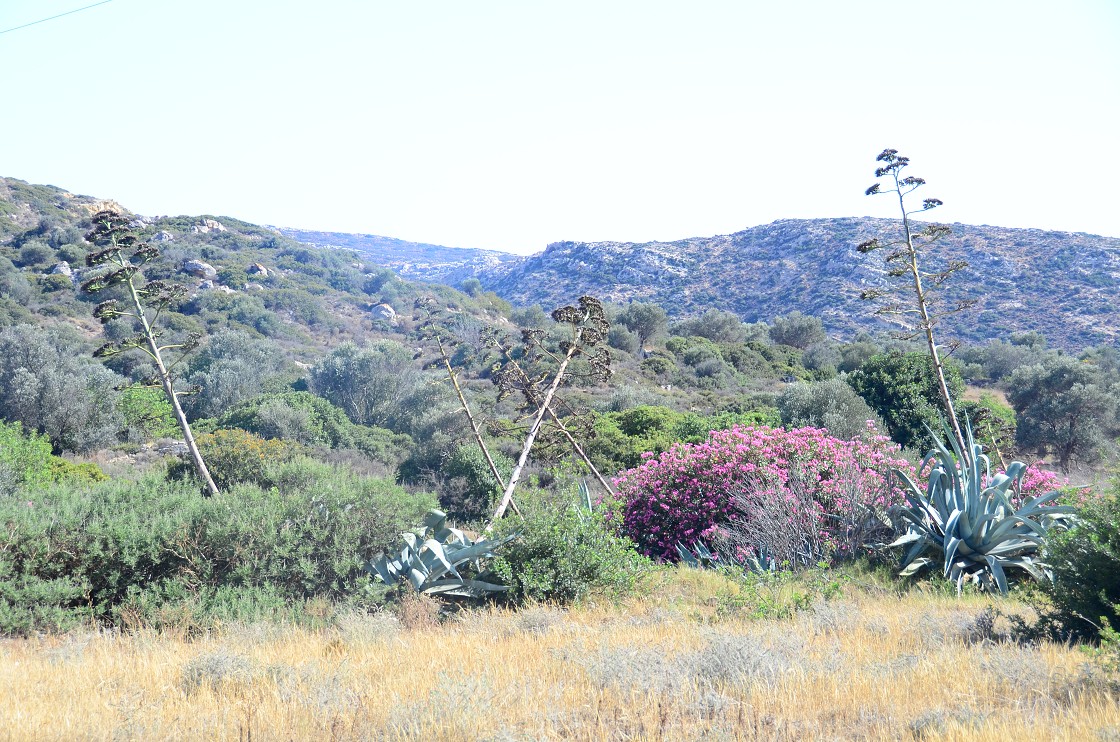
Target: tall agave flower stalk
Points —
{"points": [[120, 258], [904, 262], [963, 519]]}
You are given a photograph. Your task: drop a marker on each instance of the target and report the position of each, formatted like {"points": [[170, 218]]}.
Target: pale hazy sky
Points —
{"points": [[509, 125]]}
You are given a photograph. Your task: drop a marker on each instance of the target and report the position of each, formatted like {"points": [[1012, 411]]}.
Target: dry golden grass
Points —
{"points": [[670, 666]]}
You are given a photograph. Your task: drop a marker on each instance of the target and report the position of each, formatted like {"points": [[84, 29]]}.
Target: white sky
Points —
{"points": [[509, 125]]}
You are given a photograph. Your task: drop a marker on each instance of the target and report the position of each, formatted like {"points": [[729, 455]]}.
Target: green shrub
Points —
{"points": [[147, 413], [566, 554], [133, 553], [304, 418], [24, 459], [1086, 564], [236, 457], [26, 462], [470, 483], [622, 438]]}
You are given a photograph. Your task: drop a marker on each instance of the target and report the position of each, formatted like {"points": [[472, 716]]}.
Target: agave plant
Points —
{"points": [[701, 557], [435, 557], [965, 521]]}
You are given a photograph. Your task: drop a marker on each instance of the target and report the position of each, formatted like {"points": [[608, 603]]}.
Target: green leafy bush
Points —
{"points": [[623, 438], [147, 413], [470, 483], [26, 462], [1086, 565], [567, 554], [128, 553], [303, 418], [236, 457], [24, 459], [902, 389]]}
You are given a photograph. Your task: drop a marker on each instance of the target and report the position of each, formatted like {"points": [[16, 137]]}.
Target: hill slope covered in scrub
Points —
{"points": [[239, 275]]}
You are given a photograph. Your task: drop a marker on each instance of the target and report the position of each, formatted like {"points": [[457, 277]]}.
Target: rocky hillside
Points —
{"points": [[1062, 284], [238, 275], [413, 260]]}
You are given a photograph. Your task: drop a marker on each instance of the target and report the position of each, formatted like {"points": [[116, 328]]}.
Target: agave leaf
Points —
{"points": [[448, 535], [914, 566], [1016, 547], [1015, 525], [915, 551], [951, 546], [465, 588], [380, 567], [910, 489], [907, 538], [435, 520], [1036, 504], [952, 527], [687, 557], [997, 573], [435, 561], [479, 549]]}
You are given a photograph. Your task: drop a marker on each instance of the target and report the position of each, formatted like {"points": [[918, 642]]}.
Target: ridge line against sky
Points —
{"points": [[505, 125]]}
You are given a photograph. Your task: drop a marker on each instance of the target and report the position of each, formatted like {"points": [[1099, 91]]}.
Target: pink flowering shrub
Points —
{"points": [[821, 485], [1038, 481]]}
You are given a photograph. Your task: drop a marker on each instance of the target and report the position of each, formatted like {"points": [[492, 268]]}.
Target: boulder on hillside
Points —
{"points": [[203, 270], [256, 269], [62, 268], [383, 311], [208, 225], [163, 236]]}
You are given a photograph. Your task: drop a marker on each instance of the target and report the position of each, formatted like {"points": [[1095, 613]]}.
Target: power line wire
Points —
{"points": [[44, 20]]}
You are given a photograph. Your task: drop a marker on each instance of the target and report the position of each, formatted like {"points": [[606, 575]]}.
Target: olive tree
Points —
{"points": [[644, 320], [378, 384], [1063, 407], [48, 385], [797, 330], [831, 404]]}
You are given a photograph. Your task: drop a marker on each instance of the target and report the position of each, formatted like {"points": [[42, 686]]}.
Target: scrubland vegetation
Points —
{"points": [[337, 406]]}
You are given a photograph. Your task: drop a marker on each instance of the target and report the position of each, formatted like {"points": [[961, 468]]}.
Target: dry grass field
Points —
{"points": [[687, 661]]}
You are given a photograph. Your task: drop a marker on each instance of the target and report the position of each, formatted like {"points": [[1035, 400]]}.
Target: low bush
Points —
{"points": [[1085, 561], [301, 417], [236, 457], [470, 486], [129, 553], [26, 462], [566, 554], [623, 438]]}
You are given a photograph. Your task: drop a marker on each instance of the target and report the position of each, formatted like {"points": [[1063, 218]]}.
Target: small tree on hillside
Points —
{"points": [[902, 263], [1064, 408], [121, 257], [645, 321], [797, 330]]}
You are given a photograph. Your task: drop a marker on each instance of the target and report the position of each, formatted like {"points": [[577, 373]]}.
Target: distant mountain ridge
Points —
{"points": [[412, 260], [1062, 284]]}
